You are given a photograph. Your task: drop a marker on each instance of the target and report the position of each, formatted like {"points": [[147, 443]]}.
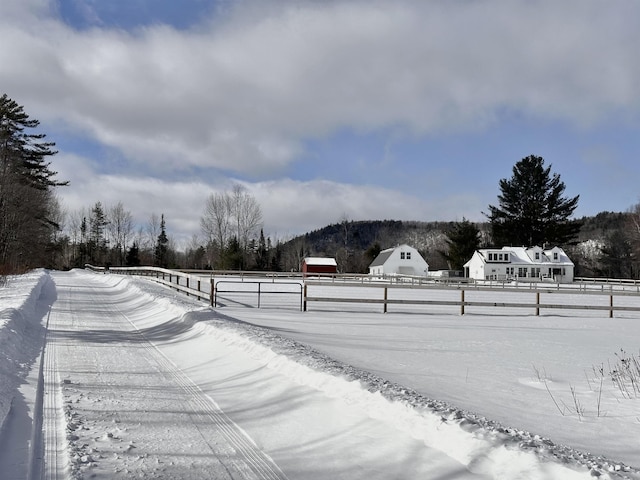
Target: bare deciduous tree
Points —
{"points": [[229, 215], [119, 229]]}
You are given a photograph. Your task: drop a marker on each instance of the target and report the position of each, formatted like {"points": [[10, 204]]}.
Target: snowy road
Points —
{"points": [[124, 407]]}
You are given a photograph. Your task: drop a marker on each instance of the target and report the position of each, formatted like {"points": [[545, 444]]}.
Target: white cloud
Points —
{"points": [[244, 94], [289, 207]]}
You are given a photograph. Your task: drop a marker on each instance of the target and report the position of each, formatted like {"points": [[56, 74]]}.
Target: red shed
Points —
{"points": [[311, 265]]}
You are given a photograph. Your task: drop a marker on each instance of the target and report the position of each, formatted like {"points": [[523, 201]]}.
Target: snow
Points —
{"points": [[324, 261], [137, 380]]}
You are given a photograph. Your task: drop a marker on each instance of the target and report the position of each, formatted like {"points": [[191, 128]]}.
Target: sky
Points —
{"points": [[327, 109]]}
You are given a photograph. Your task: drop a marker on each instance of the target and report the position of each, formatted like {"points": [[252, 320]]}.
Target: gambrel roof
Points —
{"points": [[382, 257]]}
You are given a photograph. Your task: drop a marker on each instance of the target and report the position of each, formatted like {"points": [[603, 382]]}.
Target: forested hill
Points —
{"points": [[354, 244]]}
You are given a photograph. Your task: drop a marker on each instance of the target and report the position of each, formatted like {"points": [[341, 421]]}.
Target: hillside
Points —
{"points": [[354, 244]]}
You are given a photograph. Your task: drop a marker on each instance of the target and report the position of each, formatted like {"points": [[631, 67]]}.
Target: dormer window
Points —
{"points": [[537, 255], [555, 256]]}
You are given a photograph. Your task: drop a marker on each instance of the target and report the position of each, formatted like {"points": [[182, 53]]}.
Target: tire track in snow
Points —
{"points": [[239, 453], [56, 459]]}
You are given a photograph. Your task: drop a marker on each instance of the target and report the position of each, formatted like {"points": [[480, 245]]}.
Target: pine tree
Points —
{"points": [[162, 246], [463, 239], [133, 256], [372, 252], [97, 240], [233, 255], [532, 209], [27, 203], [616, 260], [262, 260]]}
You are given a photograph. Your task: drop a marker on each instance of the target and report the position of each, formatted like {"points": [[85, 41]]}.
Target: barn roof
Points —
{"points": [[382, 257], [326, 261]]}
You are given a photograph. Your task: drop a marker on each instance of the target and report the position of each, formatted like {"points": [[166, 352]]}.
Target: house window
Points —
{"points": [[522, 271], [491, 257], [408, 256], [401, 255]]}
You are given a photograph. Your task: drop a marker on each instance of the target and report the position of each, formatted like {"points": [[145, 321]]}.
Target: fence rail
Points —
{"points": [[208, 286], [535, 305]]}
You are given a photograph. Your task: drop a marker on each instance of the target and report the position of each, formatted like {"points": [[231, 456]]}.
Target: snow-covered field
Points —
{"points": [[141, 381]]}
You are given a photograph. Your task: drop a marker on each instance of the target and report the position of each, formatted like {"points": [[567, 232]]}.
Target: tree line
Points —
{"points": [[35, 231]]}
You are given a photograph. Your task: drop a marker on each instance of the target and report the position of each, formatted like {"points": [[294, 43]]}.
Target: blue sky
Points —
{"points": [[408, 110]]}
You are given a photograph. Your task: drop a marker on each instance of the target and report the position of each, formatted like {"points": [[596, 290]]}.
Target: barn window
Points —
{"points": [[408, 255], [401, 255]]}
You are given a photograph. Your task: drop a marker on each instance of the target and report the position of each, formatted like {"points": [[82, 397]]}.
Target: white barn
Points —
{"points": [[401, 260], [520, 263]]}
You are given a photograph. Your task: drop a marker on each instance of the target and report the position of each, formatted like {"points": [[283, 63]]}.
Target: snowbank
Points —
{"points": [[21, 333]]}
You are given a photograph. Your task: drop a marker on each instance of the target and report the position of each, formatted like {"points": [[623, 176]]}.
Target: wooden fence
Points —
{"points": [[314, 291], [536, 305]]}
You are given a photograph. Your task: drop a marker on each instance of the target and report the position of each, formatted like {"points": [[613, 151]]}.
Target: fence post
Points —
{"points": [[258, 294], [461, 302], [212, 294], [304, 296], [537, 304], [187, 286], [385, 299], [611, 306]]}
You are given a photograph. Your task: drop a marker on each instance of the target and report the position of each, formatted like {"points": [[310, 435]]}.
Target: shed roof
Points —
{"points": [[326, 261]]}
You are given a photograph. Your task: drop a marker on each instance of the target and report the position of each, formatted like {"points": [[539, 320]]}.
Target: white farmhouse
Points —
{"points": [[402, 260], [520, 263]]}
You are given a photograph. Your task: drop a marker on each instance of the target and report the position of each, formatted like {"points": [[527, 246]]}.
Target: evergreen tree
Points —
{"points": [[262, 260], [233, 255], [162, 246], [133, 256], [463, 239], [97, 239], [27, 203], [276, 258], [372, 252], [532, 209], [616, 260]]}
